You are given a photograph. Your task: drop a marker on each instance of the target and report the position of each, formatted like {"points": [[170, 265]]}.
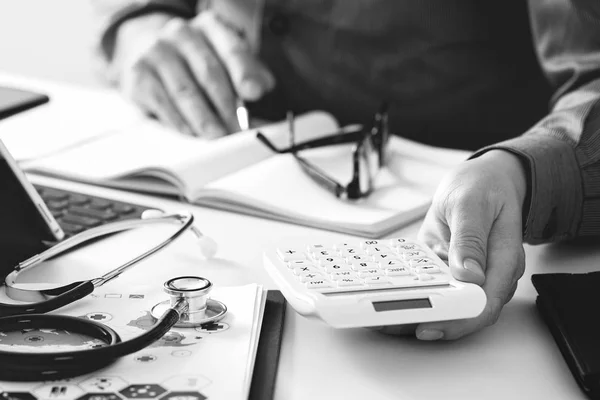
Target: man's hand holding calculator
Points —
{"points": [[475, 223]]}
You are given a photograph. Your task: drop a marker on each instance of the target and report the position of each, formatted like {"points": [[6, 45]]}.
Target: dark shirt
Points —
{"points": [[459, 73]]}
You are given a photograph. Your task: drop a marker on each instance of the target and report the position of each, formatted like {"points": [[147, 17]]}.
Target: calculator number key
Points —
{"points": [[332, 268], [360, 265]]}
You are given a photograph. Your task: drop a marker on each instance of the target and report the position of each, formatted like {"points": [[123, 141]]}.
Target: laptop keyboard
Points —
{"points": [[76, 212]]}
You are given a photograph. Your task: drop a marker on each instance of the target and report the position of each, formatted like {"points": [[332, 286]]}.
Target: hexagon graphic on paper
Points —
{"points": [[103, 384], [143, 391]]}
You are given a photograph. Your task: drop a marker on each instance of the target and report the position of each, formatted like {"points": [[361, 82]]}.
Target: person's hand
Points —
{"points": [[475, 224], [189, 74]]}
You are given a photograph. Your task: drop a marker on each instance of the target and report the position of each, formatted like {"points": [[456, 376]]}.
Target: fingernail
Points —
{"points": [[430, 334], [250, 89], [473, 266]]}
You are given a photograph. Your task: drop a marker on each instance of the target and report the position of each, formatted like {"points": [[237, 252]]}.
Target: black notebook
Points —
{"points": [[568, 304]]}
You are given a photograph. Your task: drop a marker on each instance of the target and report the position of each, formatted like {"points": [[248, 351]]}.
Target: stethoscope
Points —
{"points": [[189, 305]]}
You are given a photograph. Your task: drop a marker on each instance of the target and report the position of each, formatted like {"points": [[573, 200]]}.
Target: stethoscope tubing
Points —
{"points": [[73, 292], [20, 366]]}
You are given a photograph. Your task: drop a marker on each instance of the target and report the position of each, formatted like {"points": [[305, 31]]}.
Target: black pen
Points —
{"points": [[243, 117]]}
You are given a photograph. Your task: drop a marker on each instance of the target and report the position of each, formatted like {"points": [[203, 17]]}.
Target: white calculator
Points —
{"points": [[371, 283]]}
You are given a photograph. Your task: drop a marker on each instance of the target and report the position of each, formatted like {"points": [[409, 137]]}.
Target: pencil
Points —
{"points": [[242, 115]]}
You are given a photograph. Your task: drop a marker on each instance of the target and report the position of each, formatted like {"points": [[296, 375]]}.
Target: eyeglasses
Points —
{"points": [[369, 154]]}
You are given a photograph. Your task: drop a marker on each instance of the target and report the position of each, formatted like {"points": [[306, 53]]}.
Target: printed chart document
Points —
{"points": [[236, 172], [213, 361]]}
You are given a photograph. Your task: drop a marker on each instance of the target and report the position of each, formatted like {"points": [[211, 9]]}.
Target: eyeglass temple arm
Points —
{"points": [[321, 177], [336, 138]]}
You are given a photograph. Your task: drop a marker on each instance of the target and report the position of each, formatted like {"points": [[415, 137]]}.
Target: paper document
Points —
{"points": [[214, 361]]}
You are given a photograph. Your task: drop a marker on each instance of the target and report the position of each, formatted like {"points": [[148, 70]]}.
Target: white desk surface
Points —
{"points": [[514, 359]]}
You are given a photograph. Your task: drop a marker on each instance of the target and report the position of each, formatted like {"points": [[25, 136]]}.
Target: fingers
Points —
{"points": [[185, 91], [204, 67], [470, 221], [250, 78], [152, 96], [505, 265]]}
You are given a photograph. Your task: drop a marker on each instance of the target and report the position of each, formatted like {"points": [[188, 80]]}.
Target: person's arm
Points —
{"points": [[562, 151], [111, 14], [476, 217], [180, 63]]}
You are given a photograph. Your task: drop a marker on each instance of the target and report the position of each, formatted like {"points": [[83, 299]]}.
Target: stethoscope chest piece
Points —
{"points": [[193, 291]]}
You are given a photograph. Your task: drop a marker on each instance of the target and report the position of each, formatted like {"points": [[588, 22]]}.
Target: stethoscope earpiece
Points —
{"points": [[208, 246]]}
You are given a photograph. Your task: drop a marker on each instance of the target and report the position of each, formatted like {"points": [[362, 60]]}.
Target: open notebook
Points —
{"points": [[239, 173]]}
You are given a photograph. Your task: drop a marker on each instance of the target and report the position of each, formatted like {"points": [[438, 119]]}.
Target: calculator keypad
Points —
{"points": [[397, 262]]}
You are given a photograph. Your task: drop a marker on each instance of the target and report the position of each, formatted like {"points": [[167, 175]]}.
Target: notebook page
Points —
{"points": [[405, 187], [187, 163]]}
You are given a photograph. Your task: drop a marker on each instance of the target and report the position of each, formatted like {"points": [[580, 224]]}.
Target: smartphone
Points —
{"points": [[13, 100], [26, 225]]}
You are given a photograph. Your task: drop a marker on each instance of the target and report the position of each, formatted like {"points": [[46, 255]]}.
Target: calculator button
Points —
{"points": [[331, 268], [369, 272], [377, 280], [372, 250], [342, 274], [384, 257], [391, 264], [313, 248], [428, 269], [305, 269], [325, 253], [398, 241], [324, 262], [368, 243], [360, 265], [418, 262], [358, 258], [408, 247], [351, 251], [318, 283], [310, 276], [409, 255], [398, 271], [349, 282], [299, 263], [342, 246], [291, 254], [425, 277]]}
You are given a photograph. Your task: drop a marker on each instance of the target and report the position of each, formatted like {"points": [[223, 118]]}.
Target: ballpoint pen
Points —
{"points": [[242, 115]]}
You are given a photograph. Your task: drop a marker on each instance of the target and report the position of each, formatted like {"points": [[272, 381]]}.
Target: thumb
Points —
{"points": [[470, 226], [251, 79]]}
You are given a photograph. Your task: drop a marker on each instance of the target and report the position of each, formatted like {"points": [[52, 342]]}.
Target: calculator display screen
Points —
{"points": [[394, 305]]}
